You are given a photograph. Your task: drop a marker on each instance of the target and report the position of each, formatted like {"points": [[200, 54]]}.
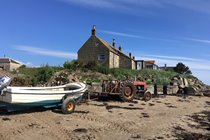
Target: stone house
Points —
{"points": [[150, 64], [146, 64], [9, 64], [96, 50]]}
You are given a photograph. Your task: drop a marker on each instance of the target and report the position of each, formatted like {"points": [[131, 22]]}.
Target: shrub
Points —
{"points": [[34, 81], [44, 75], [71, 65], [38, 75]]}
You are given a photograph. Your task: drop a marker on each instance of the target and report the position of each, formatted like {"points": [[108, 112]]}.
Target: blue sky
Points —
{"points": [[37, 32]]}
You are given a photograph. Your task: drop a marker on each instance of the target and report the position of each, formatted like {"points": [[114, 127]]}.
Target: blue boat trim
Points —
{"points": [[41, 103], [46, 104]]}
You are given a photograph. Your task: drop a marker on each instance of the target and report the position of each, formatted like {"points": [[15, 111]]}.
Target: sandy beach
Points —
{"points": [[168, 117]]}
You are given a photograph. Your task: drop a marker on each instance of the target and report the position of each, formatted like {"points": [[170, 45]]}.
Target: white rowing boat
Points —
{"points": [[39, 96]]}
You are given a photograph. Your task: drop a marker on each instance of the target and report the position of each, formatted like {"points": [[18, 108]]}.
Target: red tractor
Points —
{"points": [[127, 90], [141, 90]]}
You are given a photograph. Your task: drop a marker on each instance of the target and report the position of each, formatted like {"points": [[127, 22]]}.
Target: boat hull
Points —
{"points": [[41, 96], [32, 99]]}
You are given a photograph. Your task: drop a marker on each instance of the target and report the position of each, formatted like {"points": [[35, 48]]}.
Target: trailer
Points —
{"points": [[20, 98], [127, 90]]}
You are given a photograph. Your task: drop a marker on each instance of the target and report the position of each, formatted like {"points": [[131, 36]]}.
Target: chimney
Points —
{"points": [[94, 30], [130, 55], [133, 57], [113, 43], [120, 48]]}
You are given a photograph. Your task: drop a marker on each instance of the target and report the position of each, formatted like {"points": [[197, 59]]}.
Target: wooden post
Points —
{"points": [[155, 90]]}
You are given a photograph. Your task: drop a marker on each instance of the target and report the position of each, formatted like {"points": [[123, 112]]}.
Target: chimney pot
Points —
{"points": [[94, 30], [120, 47], [130, 55], [113, 43], [133, 57]]}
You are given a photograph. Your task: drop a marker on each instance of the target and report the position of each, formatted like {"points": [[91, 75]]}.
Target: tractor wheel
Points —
{"points": [[147, 96], [128, 92], [68, 106]]}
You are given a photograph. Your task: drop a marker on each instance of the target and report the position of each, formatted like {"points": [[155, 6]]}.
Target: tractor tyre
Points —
{"points": [[147, 96], [127, 92]]}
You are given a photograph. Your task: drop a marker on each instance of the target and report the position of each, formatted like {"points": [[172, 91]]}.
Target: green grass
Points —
{"points": [[159, 77]]}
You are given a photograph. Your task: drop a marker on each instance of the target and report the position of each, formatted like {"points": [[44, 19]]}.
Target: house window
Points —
{"points": [[101, 57]]}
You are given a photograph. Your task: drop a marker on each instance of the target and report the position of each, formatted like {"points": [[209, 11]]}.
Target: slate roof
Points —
{"points": [[9, 60], [111, 48], [150, 61]]}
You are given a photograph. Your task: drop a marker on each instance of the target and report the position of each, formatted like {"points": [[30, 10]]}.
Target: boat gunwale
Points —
{"points": [[63, 92], [45, 88], [12, 90]]}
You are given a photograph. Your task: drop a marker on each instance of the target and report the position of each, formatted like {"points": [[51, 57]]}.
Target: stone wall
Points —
{"points": [[14, 66], [94, 47], [125, 62], [10, 66], [91, 50], [5, 66]]}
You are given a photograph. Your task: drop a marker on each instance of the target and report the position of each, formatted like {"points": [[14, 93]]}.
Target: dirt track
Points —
{"points": [[161, 118]]}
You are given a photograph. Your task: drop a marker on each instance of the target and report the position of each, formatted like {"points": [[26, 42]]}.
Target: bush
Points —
{"points": [[71, 65], [34, 81], [44, 75], [163, 80], [38, 75]]}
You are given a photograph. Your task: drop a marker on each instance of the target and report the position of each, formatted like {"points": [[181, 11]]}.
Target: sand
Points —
{"points": [[168, 117]]}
